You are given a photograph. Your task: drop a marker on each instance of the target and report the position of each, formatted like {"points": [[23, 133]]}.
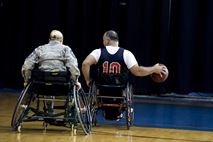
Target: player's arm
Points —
{"points": [[90, 60], [137, 70], [144, 71]]}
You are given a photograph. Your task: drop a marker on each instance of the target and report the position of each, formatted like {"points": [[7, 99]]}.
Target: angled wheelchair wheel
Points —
{"points": [[93, 101], [129, 109], [83, 111], [21, 108]]}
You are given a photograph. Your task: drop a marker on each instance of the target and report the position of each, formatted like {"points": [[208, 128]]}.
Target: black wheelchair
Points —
{"points": [[52, 98], [114, 100]]}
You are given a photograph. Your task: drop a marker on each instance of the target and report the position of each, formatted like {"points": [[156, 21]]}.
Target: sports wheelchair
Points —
{"points": [[115, 101], [52, 98]]}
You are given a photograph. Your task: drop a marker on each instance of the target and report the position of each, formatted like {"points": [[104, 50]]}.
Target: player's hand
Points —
{"points": [[160, 69], [78, 85], [25, 84], [89, 83]]}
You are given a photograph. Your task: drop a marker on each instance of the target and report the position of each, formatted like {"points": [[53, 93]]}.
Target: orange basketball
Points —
{"points": [[159, 79]]}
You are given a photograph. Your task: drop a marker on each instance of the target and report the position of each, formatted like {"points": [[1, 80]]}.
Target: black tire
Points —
{"points": [[21, 107], [83, 110], [129, 109], [93, 101]]}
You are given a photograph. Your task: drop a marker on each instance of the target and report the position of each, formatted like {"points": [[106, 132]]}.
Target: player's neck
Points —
{"points": [[113, 44]]}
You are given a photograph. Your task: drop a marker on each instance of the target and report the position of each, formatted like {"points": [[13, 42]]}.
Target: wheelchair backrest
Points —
{"points": [[51, 83], [61, 76]]}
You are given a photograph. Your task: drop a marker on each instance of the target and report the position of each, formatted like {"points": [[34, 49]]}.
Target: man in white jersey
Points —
{"points": [[113, 62], [111, 42]]}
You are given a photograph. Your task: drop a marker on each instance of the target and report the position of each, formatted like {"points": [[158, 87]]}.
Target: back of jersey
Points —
{"points": [[112, 69]]}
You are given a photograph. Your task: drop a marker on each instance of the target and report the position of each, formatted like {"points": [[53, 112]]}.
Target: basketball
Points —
{"points": [[159, 79]]}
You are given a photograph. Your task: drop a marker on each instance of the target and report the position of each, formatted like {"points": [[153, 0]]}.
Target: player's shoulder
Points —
{"points": [[127, 51], [98, 49], [65, 46], [40, 47]]}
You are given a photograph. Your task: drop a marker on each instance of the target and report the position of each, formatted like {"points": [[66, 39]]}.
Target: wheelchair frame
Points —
{"points": [[127, 105], [75, 109]]}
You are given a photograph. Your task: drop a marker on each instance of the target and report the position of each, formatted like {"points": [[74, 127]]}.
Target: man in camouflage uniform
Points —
{"points": [[54, 56]]}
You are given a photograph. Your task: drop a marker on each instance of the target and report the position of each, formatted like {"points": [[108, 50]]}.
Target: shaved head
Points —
{"points": [[112, 35], [56, 35]]}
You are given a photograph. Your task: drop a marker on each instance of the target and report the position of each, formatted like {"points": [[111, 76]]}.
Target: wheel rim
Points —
{"points": [[83, 110]]}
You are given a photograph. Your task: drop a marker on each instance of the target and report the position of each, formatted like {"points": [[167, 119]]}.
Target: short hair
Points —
{"points": [[112, 35], [56, 35]]}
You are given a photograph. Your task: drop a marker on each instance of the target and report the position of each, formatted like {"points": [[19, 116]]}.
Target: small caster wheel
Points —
{"points": [[19, 128], [75, 131]]}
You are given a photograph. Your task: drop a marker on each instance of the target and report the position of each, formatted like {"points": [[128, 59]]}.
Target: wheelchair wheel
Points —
{"points": [[129, 110], [93, 102], [21, 108], [83, 111]]}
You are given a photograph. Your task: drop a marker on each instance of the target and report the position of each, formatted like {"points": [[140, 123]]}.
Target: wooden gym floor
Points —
{"points": [[33, 132]]}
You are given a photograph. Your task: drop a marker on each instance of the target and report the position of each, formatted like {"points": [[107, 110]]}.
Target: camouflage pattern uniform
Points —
{"points": [[53, 56]]}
